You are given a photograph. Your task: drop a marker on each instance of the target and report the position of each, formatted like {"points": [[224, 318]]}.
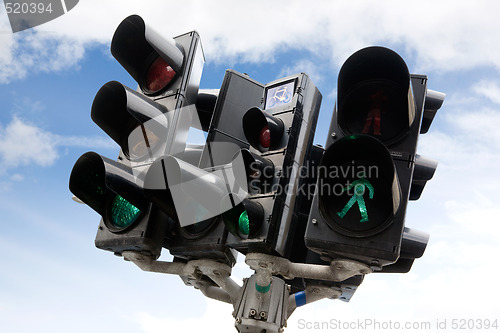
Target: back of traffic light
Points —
{"points": [[364, 178]]}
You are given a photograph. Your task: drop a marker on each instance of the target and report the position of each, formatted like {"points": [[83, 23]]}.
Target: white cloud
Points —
{"points": [[489, 89], [467, 139], [38, 52], [210, 321], [17, 177], [305, 66], [23, 143], [445, 36]]}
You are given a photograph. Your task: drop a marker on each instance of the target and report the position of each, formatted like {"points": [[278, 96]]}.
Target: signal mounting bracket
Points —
{"points": [[264, 301]]}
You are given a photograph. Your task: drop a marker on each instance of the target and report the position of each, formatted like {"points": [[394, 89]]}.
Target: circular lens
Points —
{"points": [[265, 137], [198, 228], [142, 142], [195, 212], [244, 223], [360, 194], [123, 213], [159, 75], [378, 109]]}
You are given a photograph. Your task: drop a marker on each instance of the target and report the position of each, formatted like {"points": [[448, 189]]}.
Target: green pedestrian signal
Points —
{"points": [[359, 186], [350, 171]]}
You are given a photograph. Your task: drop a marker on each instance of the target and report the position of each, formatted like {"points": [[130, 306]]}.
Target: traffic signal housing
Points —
{"points": [[358, 211], [269, 128], [147, 124], [129, 222], [161, 66]]}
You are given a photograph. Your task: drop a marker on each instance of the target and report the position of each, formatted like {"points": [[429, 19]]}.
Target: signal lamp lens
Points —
{"points": [[265, 137], [159, 75], [142, 142], [123, 213], [198, 228], [244, 223]]}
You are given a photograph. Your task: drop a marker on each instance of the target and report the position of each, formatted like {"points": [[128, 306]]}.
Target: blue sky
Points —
{"points": [[53, 279]]}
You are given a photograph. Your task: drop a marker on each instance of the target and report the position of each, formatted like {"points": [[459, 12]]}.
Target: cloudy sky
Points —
{"points": [[53, 279]]}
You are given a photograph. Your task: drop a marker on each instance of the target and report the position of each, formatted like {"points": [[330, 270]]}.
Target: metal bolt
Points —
{"points": [[238, 320], [333, 135], [314, 221], [253, 312], [263, 314]]}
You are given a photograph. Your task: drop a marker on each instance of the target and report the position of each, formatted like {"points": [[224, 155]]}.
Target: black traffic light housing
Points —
{"points": [[271, 127], [161, 66], [129, 222], [191, 197], [366, 172], [146, 124]]}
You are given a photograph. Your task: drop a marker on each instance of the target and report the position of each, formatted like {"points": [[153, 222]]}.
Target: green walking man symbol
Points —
{"points": [[360, 186]]}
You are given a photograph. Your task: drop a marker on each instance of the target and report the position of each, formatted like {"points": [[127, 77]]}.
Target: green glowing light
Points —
{"points": [[123, 213], [244, 223], [360, 186]]}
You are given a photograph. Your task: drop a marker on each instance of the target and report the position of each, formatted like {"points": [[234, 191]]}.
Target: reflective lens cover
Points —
{"points": [[159, 75], [122, 214]]}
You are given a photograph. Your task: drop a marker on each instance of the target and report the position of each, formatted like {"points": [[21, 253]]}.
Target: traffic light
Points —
{"points": [[269, 129], [146, 124], [365, 175], [161, 66], [167, 71], [200, 189], [191, 197], [129, 222]]}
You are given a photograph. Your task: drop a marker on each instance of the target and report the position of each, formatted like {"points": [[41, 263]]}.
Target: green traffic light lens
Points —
{"points": [[362, 199], [123, 213], [245, 219], [244, 223]]}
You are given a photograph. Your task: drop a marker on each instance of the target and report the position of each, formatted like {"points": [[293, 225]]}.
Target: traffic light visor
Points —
{"points": [[152, 60], [102, 184], [262, 130], [374, 95]]}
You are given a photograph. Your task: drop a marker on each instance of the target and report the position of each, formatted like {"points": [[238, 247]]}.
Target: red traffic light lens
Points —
{"points": [[263, 131], [265, 137], [159, 75]]}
